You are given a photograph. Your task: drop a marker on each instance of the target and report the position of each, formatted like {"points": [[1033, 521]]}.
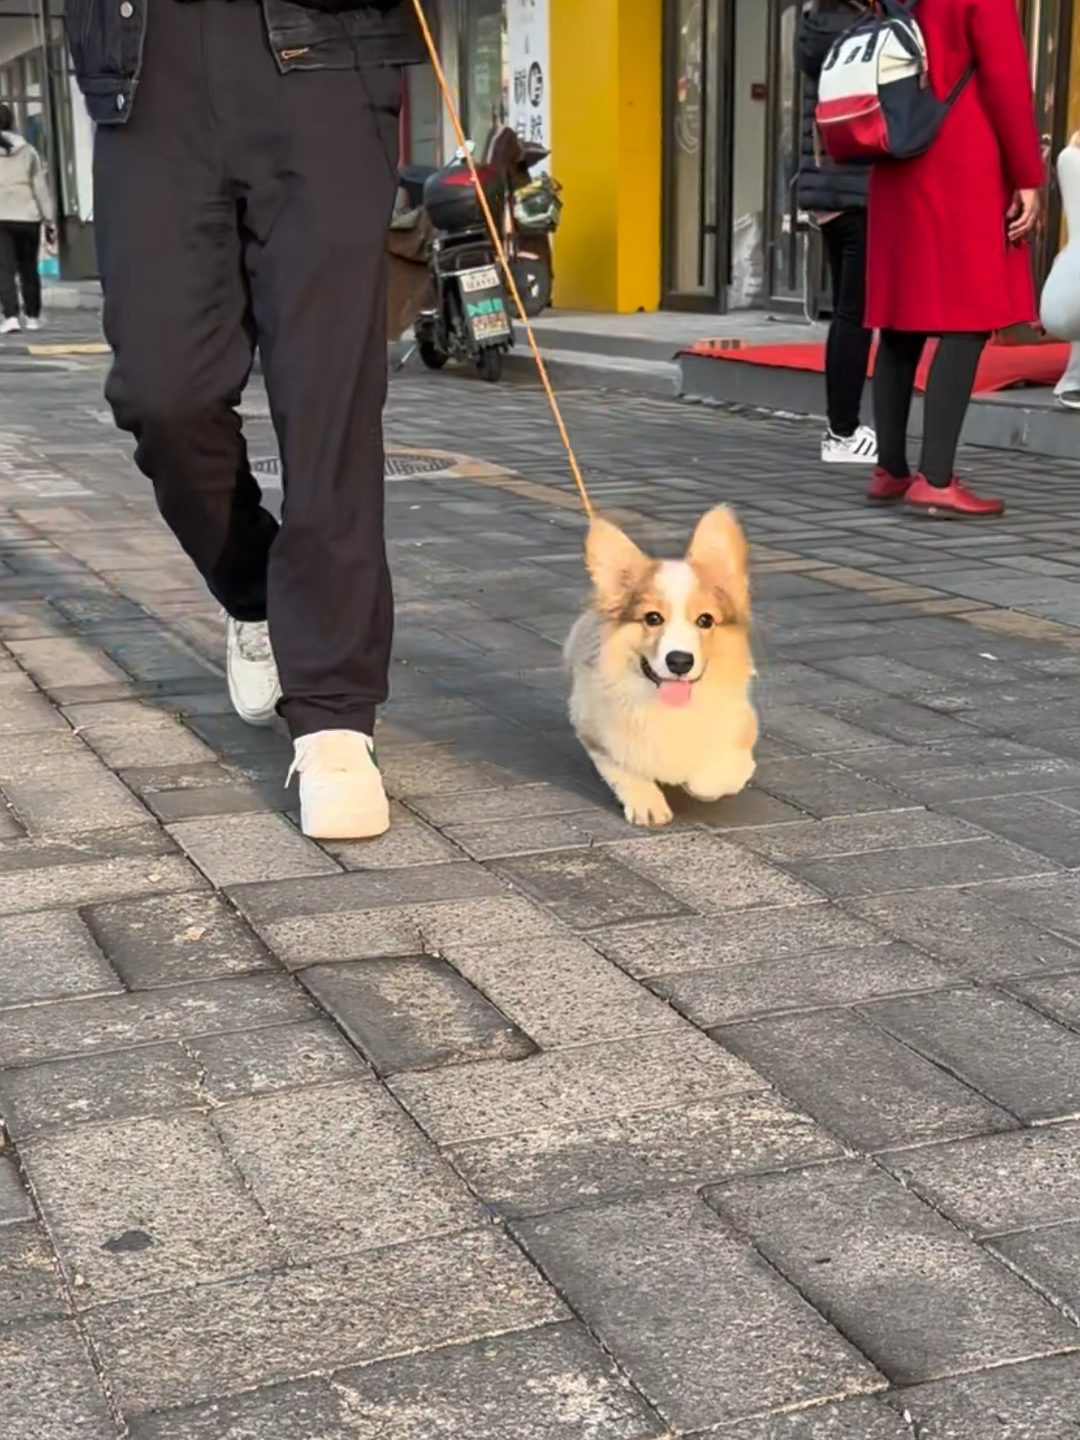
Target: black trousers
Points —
{"points": [[20, 247], [239, 206], [847, 350], [948, 395]]}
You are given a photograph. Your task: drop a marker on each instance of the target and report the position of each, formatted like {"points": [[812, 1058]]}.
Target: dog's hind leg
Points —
{"points": [[642, 800]]}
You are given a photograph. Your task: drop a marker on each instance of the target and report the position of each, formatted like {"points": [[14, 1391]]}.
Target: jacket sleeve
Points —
{"points": [[1004, 80], [39, 182]]}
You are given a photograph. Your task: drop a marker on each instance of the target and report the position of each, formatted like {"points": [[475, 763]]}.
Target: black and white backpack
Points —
{"points": [[875, 101]]}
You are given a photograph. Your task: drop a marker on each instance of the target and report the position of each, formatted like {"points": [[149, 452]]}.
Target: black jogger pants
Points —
{"points": [[847, 350], [948, 395], [239, 206], [20, 248]]}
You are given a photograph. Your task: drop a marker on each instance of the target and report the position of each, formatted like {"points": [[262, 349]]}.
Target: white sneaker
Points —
{"points": [[341, 790], [857, 449], [33, 323], [9, 326], [254, 687]]}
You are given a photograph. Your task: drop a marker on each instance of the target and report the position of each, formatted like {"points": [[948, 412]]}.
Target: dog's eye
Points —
{"points": [[705, 622], [653, 619]]}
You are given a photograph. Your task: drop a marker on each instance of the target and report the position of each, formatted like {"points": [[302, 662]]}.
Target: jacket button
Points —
{"points": [[127, 10], [121, 101]]}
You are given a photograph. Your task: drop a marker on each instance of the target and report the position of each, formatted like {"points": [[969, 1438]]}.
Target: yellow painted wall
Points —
{"points": [[606, 151]]}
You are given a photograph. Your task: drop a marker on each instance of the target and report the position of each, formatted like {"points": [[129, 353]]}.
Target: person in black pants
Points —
{"points": [[243, 193], [25, 206], [836, 195]]}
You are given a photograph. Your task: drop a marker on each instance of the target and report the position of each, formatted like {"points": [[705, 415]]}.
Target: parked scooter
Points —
{"points": [[467, 318]]}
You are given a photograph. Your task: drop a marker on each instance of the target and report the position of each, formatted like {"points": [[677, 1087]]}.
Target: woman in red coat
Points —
{"points": [[947, 249]]}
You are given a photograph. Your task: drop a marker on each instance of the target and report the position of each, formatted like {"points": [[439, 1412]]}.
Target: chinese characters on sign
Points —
{"points": [[527, 48]]}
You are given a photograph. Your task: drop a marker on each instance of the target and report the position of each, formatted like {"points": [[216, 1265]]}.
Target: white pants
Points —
{"points": [[1071, 379]]}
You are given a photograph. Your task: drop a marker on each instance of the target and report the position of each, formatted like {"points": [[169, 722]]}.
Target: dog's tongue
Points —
{"points": [[675, 693]]}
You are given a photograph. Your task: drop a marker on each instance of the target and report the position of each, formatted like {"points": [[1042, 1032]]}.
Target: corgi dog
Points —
{"points": [[661, 667]]}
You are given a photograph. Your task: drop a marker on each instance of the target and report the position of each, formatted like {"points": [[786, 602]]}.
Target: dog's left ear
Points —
{"points": [[720, 554]]}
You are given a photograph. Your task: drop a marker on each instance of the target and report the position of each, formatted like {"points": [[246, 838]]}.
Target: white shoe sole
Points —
{"points": [[259, 719], [337, 822], [843, 458]]}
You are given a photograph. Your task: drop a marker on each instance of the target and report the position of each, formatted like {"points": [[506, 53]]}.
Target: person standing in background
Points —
{"points": [[947, 251], [25, 206], [836, 196], [1061, 293]]}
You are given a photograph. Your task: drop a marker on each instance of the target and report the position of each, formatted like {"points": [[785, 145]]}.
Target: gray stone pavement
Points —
{"points": [[519, 1124]]}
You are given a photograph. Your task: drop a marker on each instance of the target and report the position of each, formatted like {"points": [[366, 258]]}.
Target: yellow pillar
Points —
{"points": [[606, 96]]}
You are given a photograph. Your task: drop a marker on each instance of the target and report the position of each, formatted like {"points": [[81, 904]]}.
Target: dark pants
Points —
{"points": [[847, 350], [948, 395], [20, 246], [241, 206]]}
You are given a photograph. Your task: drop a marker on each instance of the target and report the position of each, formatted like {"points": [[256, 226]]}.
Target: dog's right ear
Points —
{"points": [[615, 563]]}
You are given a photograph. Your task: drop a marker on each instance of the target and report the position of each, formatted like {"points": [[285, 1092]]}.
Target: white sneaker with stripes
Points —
{"points": [[857, 449]]}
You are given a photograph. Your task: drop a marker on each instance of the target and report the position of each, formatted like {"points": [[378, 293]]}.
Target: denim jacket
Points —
{"points": [[106, 39]]}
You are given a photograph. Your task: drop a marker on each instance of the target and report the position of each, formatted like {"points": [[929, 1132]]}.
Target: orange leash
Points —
{"points": [[500, 250]]}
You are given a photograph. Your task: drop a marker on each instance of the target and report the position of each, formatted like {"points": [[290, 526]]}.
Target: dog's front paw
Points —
{"points": [[645, 805], [729, 777]]}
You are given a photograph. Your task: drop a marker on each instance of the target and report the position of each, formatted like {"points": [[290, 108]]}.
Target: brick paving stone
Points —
{"points": [[122, 1083], [29, 1279], [188, 1346], [1052, 902], [497, 839], [129, 1204], [681, 946], [340, 1169], [69, 794], [66, 662], [409, 842], [24, 710], [281, 1057], [823, 789], [914, 1294], [899, 1098], [305, 1408], [519, 802], [561, 1166], [414, 1014], [1050, 1260], [310, 940], [880, 872], [739, 812], [1033, 821], [370, 890], [505, 1097], [854, 835], [14, 1201], [132, 733], [1057, 996], [198, 792], [50, 1389], [714, 1335], [50, 955], [424, 770], [588, 888], [92, 1027], [709, 874], [174, 939], [1019, 1059], [1036, 1401], [560, 991], [250, 849], [998, 1183], [823, 980], [991, 778], [860, 1419], [962, 928], [40, 888]]}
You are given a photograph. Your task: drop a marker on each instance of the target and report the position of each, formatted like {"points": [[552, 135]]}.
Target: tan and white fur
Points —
{"points": [[661, 668]]}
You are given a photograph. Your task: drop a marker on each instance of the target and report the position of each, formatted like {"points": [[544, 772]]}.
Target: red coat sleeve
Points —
{"points": [[1004, 81]]}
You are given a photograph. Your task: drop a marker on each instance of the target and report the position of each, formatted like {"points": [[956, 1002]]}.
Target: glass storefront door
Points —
{"points": [[1048, 26], [695, 249], [786, 238]]}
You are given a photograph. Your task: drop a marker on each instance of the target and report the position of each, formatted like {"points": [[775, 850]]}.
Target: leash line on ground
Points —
{"points": [[500, 250]]}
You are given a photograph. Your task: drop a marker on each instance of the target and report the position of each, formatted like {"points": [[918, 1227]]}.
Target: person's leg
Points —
{"points": [[315, 154], [176, 316], [9, 267], [948, 395], [1068, 387], [847, 350], [27, 256], [897, 364]]}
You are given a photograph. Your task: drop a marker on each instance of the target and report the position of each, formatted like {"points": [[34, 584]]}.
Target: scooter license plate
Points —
{"points": [[485, 307]]}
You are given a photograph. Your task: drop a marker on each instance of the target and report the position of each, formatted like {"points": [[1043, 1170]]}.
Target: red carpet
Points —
{"points": [[1002, 366]]}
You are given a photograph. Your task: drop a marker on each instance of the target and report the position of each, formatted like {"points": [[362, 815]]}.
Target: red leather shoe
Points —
{"points": [[955, 502], [886, 489]]}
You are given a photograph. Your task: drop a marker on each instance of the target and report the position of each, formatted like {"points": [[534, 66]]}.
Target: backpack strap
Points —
{"points": [[960, 86]]}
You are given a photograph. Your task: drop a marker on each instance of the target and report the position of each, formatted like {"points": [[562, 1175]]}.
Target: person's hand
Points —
{"points": [[1023, 215], [50, 234]]}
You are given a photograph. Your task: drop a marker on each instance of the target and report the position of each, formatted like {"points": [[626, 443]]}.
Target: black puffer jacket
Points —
{"points": [[824, 186]]}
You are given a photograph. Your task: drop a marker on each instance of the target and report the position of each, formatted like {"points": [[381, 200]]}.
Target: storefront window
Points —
{"points": [[691, 144], [483, 67]]}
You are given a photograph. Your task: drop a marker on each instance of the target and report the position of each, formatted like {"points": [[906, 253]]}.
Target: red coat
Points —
{"points": [[939, 258]]}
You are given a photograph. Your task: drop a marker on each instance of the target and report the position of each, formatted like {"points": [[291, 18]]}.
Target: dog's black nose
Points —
{"points": [[679, 662]]}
